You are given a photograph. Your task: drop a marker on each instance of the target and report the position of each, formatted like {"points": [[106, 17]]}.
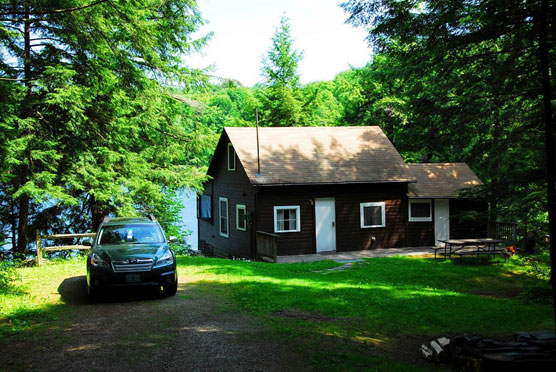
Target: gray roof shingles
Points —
{"points": [[441, 180], [322, 155], [309, 155]]}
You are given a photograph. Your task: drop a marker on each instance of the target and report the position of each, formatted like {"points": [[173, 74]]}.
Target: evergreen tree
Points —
{"points": [[86, 120], [281, 98]]}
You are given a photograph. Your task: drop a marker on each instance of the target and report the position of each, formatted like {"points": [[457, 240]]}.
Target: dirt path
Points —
{"points": [[137, 330]]}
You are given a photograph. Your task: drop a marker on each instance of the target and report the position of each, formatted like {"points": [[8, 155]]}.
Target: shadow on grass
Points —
{"points": [[389, 310], [73, 291], [472, 277], [391, 295]]}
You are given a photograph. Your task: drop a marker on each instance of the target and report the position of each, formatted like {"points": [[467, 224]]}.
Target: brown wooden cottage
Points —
{"points": [[327, 189]]}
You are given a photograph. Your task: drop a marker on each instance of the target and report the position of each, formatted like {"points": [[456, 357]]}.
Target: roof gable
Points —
{"points": [[318, 155]]}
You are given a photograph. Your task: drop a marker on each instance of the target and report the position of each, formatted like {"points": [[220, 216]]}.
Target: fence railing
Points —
{"points": [[502, 230], [41, 249], [266, 246]]}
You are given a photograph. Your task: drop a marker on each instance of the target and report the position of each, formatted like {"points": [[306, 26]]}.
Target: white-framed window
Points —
{"points": [[372, 214], [241, 217], [223, 217], [420, 210], [231, 158], [286, 219]]}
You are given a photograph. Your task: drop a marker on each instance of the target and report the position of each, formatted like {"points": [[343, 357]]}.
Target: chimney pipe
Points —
{"points": [[258, 157]]}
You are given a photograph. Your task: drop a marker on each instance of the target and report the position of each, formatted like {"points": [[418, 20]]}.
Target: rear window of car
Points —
{"points": [[130, 233]]}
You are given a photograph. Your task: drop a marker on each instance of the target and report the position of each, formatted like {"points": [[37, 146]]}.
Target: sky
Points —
{"points": [[243, 30]]}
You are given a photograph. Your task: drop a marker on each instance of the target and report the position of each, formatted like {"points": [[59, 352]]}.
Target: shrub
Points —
{"points": [[8, 276]]}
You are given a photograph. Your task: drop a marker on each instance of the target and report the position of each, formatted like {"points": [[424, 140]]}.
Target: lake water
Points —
{"points": [[189, 216]]}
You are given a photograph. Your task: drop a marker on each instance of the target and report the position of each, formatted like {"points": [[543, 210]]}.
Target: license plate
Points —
{"points": [[133, 278]]}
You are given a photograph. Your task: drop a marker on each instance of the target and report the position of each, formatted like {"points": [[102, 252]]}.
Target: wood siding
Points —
{"points": [[420, 234], [349, 234], [235, 186]]}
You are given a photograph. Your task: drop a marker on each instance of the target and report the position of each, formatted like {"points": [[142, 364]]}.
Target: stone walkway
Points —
{"points": [[355, 255]]}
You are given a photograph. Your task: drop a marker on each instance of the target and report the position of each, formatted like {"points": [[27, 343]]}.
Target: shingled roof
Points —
{"points": [[319, 155], [441, 180]]}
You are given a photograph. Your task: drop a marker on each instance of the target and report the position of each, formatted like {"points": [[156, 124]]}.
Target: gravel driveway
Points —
{"points": [[137, 330]]}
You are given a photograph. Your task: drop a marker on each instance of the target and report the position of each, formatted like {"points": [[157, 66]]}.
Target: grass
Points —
{"points": [[368, 315], [349, 318], [390, 296], [33, 297]]}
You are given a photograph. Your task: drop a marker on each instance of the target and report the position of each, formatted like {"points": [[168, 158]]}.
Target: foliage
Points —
{"points": [[281, 103], [87, 120], [464, 73], [320, 105], [8, 277], [280, 65]]}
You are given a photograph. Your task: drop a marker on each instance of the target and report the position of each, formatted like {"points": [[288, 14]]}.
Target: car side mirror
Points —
{"points": [[87, 242], [172, 239]]}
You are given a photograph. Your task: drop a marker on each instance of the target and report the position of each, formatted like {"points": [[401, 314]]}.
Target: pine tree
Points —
{"points": [[281, 97], [86, 118]]}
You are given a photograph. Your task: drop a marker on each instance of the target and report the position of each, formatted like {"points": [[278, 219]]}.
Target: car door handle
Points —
{"points": [[332, 223]]}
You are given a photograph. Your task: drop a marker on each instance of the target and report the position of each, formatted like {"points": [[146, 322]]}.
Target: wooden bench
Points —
{"points": [[448, 249], [435, 249]]}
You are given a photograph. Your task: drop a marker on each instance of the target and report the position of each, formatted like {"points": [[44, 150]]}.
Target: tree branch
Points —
{"points": [[15, 79], [55, 11]]}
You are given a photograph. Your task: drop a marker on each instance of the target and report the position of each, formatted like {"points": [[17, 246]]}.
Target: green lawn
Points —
{"points": [[379, 306], [368, 314]]}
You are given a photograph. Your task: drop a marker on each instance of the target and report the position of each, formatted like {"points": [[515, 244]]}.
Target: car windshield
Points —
{"points": [[130, 233]]}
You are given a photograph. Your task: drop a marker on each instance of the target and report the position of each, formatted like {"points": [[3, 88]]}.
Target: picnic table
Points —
{"points": [[467, 247]]}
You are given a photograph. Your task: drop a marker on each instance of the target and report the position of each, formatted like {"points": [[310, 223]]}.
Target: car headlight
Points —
{"points": [[96, 261], [165, 260]]}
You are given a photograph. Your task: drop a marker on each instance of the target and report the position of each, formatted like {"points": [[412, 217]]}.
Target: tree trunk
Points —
{"points": [[549, 143], [13, 221], [98, 213], [22, 229]]}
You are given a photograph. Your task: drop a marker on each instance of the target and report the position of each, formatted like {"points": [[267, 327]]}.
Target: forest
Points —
{"points": [[99, 115]]}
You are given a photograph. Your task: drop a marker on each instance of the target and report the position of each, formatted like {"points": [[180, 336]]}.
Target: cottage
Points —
{"points": [[327, 189]]}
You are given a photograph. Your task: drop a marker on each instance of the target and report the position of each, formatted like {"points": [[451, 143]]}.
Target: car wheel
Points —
{"points": [[170, 290], [92, 293]]}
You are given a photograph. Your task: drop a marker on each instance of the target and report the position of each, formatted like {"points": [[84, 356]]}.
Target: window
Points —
{"points": [[241, 217], [286, 219], [205, 207], [231, 158], [131, 233], [420, 210], [223, 209], [372, 215]]}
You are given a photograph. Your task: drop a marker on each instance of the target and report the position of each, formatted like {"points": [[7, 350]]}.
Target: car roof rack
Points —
{"points": [[106, 219], [152, 218]]}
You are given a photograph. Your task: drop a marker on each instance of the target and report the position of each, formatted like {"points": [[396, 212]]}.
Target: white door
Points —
{"points": [[325, 218], [441, 220]]}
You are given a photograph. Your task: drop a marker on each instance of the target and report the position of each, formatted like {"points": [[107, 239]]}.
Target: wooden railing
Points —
{"points": [[266, 246], [502, 230], [40, 238]]}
